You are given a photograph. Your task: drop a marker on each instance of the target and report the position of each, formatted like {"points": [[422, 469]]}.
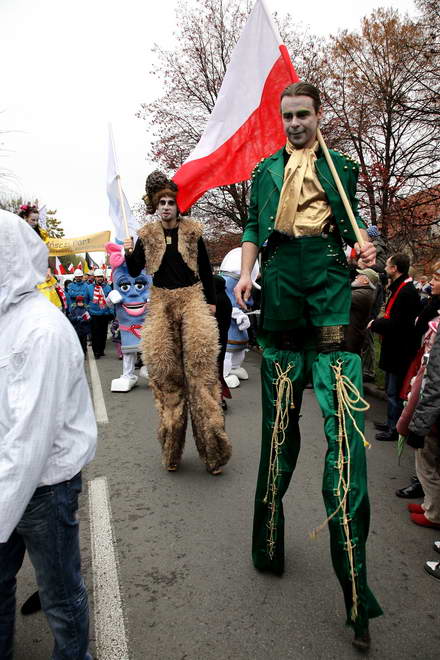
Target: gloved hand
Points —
{"points": [[243, 322], [114, 297], [240, 318]]}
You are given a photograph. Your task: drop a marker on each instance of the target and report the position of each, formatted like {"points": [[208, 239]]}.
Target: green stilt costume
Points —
{"points": [[305, 304]]}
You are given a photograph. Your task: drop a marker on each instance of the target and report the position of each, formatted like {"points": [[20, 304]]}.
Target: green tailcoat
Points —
{"points": [[268, 179]]}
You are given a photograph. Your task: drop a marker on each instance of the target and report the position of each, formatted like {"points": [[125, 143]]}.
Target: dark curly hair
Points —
{"points": [[158, 185]]}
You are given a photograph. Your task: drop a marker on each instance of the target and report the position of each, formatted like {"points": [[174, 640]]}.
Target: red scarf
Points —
{"points": [[393, 298], [98, 296]]}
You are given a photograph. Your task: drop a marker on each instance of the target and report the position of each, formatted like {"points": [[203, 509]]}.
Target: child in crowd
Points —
{"points": [[80, 319]]}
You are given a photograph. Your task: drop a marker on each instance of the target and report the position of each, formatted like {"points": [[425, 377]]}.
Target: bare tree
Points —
{"points": [[371, 89], [191, 74]]}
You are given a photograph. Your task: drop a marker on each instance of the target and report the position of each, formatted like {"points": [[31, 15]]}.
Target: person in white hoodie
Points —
{"points": [[47, 435]]}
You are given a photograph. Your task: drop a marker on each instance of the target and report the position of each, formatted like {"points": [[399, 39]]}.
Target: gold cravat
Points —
{"points": [[303, 208]]}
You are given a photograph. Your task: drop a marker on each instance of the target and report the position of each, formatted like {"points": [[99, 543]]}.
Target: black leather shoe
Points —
{"points": [[32, 605], [387, 435], [380, 426], [412, 491]]}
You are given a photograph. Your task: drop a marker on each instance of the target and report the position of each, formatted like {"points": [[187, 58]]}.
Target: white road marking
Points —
{"points": [[98, 397], [111, 638]]}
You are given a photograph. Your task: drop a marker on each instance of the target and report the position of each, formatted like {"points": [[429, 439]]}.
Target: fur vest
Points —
{"points": [[154, 242]]}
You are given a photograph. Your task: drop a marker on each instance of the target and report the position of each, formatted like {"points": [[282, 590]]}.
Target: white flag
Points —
{"points": [[114, 192], [42, 217]]}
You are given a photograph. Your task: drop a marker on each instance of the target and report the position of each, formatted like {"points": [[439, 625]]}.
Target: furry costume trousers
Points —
{"points": [[284, 374], [180, 347]]}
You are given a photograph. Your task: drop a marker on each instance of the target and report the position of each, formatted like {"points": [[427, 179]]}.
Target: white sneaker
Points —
{"points": [[232, 381], [240, 372], [123, 383]]}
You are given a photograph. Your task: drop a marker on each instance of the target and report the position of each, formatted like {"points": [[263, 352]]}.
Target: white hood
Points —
{"points": [[23, 262]]}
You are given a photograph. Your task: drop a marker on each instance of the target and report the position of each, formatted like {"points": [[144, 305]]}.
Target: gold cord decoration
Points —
{"points": [[348, 398], [284, 392]]}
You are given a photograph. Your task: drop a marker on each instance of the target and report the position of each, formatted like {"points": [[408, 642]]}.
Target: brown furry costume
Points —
{"points": [[180, 346]]}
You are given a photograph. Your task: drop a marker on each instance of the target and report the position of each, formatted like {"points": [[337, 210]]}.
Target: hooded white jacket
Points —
{"points": [[47, 425]]}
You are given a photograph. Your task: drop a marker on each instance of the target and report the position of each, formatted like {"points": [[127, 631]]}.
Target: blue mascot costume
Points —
{"points": [[129, 298]]}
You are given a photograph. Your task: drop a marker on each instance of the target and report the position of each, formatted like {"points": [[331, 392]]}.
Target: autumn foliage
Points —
{"points": [[380, 89]]}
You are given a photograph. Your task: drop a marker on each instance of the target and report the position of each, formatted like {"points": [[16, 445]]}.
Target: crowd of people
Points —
{"points": [[328, 288]]}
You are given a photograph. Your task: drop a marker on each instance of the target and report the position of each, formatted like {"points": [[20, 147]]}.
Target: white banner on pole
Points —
{"points": [[115, 192]]}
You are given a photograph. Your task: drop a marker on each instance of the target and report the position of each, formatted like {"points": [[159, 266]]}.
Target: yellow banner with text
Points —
{"points": [[59, 247]]}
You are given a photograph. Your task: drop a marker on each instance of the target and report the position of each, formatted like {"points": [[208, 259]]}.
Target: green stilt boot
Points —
{"points": [[337, 379], [282, 381]]}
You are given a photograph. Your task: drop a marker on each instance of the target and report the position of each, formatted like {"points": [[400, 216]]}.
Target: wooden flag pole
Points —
{"points": [[340, 188]]}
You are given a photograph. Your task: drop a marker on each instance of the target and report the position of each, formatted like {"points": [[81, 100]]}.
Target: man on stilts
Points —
{"points": [[298, 221]]}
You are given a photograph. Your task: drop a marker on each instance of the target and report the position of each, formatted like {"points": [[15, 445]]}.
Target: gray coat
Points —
{"points": [[427, 411]]}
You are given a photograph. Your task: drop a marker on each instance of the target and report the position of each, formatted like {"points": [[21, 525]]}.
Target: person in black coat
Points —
{"points": [[399, 339]]}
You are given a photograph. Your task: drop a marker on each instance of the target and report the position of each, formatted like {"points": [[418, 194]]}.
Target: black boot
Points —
{"points": [[362, 640], [412, 491]]}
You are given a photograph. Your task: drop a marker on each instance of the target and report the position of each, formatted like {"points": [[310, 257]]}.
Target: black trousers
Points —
{"points": [[83, 342], [99, 325]]}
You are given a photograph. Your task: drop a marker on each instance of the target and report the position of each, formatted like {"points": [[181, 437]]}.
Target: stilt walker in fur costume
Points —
{"points": [[180, 340], [297, 218]]}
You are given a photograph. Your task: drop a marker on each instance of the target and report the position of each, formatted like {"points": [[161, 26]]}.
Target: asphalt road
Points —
{"points": [[188, 588]]}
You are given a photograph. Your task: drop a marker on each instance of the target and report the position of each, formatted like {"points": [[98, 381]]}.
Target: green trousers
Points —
{"points": [[284, 374]]}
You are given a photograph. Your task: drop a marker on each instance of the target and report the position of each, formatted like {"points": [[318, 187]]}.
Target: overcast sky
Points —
{"points": [[70, 67]]}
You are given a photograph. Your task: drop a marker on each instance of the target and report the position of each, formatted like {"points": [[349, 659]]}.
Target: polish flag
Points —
{"points": [[59, 268], [71, 268], [245, 124]]}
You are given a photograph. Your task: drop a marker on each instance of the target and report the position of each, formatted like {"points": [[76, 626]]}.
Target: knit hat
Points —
{"points": [[158, 185], [373, 231], [79, 299]]}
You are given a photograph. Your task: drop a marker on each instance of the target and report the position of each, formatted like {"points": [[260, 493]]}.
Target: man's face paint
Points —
{"points": [[300, 121], [167, 209]]}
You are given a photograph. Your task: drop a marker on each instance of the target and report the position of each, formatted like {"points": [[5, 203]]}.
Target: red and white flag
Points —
{"points": [[245, 124], [71, 268], [59, 268], [62, 295]]}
